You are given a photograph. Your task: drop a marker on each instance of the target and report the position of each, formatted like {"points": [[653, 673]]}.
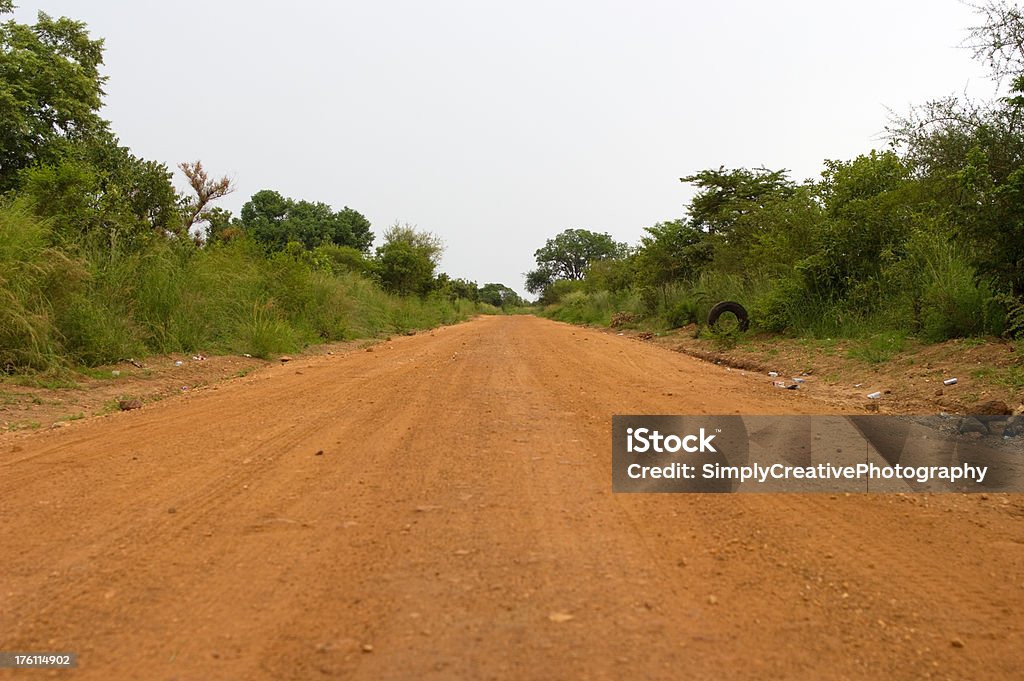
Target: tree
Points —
{"points": [[499, 295], [969, 155], [196, 208], [407, 260], [538, 280], [725, 197], [870, 204], [727, 205], [672, 251], [568, 255], [273, 220], [98, 192], [50, 91]]}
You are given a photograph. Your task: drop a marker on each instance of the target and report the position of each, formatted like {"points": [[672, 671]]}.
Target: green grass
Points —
{"points": [[1010, 377], [90, 308], [878, 348], [23, 425]]}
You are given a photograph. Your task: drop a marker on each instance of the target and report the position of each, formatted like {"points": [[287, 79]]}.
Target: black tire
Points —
{"points": [[729, 306]]}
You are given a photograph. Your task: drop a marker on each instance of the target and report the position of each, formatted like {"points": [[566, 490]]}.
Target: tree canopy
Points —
{"points": [[51, 91], [274, 220], [407, 260]]}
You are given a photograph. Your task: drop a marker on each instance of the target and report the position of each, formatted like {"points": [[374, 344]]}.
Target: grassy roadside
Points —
{"points": [[906, 370], [69, 306]]}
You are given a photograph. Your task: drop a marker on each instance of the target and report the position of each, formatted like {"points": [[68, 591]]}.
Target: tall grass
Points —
{"points": [[930, 292], [99, 306]]}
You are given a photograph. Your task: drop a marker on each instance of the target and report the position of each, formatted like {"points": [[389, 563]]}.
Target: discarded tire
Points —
{"points": [[729, 306]]}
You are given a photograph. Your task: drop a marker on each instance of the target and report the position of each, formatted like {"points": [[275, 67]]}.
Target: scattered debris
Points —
{"points": [[198, 358], [773, 374], [178, 363], [621, 319], [246, 354], [779, 384], [875, 395], [115, 373], [949, 381]]}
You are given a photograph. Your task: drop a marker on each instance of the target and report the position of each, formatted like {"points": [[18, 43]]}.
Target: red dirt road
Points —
{"points": [[441, 508]]}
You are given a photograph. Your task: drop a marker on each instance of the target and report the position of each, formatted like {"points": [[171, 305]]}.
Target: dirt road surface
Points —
{"points": [[440, 508]]}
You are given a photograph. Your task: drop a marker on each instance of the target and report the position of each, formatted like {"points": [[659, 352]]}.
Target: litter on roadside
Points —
{"points": [[178, 363], [875, 395], [773, 374], [798, 379], [949, 381]]}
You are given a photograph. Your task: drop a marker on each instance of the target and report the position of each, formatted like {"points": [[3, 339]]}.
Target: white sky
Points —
{"points": [[497, 125]]}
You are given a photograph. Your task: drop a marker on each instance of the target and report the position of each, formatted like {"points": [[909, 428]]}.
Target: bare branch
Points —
{"points": [[206, 191]]}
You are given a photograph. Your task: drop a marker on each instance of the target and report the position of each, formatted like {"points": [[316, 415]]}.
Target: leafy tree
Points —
{"points": [[499, 295], [407, 260], [671, 252], [727, 205], [792, 228], [273, 220], [726, 197], [455, 289], [538, 280], [870, 203], [614, 275], [98, 192], [50, 91], [568, 255], [969, 155]]}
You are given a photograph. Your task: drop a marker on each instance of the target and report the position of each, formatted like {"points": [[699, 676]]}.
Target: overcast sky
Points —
{"points": [[497, 125]]}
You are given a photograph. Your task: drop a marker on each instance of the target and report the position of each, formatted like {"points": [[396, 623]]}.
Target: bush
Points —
{"points": [[684, 312]]}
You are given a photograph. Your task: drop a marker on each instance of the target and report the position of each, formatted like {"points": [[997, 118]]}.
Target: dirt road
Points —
{"points": [[440, 508]]}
